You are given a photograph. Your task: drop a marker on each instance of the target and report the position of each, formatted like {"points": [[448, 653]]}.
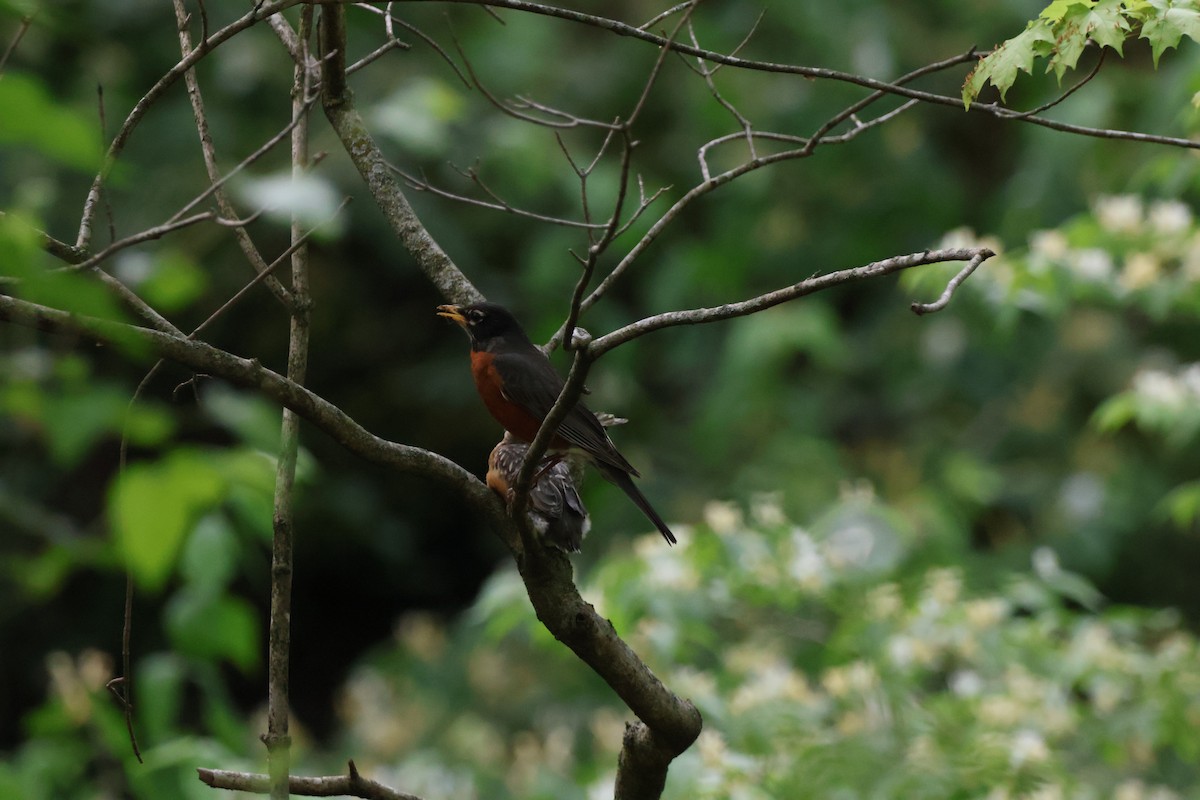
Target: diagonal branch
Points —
{"points": [[215, 179], [203, 357], [374, 169], [698, 316]]}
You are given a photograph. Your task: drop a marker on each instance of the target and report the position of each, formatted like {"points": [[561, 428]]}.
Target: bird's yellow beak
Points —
{"points": [[452, 313]]}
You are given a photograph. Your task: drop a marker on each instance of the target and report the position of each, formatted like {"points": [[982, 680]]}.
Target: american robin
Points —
{"points": [[519, 386], [555, 508]]}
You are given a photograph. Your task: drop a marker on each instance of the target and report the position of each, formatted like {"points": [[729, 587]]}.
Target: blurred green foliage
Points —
{"points": [[892, 642], [826, 663]]}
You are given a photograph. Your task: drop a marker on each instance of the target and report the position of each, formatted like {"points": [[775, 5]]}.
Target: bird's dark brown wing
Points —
{"points": [[531, 382]]}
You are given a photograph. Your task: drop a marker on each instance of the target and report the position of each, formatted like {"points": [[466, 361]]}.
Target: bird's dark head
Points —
{"points": [[485, 323]]}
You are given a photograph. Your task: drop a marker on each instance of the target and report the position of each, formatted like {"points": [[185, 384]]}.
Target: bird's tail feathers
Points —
{"points": [[623, 481]]}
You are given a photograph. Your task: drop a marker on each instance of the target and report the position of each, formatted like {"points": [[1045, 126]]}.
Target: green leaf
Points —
{"points": [[21, 245], [213, 626], [209, 559], [1000, 67], [1059, 8], [419, 115], [148, 426], [249, 416], [35, 119], [1115, 413], [1182, 505], [1103, 23], [1169, 25], [75, 422], [159, 687], [152, 507], [174, 282], [1107, 24]]}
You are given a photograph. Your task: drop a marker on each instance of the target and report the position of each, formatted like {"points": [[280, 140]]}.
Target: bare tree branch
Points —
{"points": [[26, 21], [699, 316], [498, 203], [149, 234], [216, 180], [277, 738], [756, 162], [675, 9], [351, 784], [390, 20], [261, 10], [952, 286], [670, 723], [554, 117], [204, 358], [574, 385], [374, 169], [622, 29]]}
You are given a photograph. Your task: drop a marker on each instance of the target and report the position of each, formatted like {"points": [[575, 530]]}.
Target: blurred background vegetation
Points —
{"points": [[948, 556]]}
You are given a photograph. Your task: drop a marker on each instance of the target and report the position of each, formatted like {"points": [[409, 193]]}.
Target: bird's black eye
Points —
{"points": [[474, 316]]}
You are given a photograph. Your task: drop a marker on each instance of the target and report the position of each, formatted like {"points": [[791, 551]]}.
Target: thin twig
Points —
{"points": [[499, 204], [660, 17], [277, 738], [597, 247], [821, 73], [1079, 85], [389, 20], [149, 234], [214, 186], [698, 316], [259, 277], [122, 686], [707, 74], [108, 212], [208, 150], [376, 54], [261, 11], [952, 286], [139, 305], [363, 151], [703, 188], [565, 120], [26, 22]]}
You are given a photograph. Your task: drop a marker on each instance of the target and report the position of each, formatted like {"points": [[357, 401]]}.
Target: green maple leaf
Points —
{"points": [[1103, 23], [1107, 24], [1000, 67], [1060, 8], [1172, 22]]}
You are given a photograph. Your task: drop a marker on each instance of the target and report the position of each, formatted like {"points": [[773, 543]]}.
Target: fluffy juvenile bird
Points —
{"points": [[555, 508]]}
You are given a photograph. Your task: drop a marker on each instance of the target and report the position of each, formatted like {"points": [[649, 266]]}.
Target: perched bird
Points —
{"points": [[555, 508], [519, 386]]}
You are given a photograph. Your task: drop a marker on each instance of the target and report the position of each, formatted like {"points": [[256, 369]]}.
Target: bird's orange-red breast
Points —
{"points": [[519, 386]]}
